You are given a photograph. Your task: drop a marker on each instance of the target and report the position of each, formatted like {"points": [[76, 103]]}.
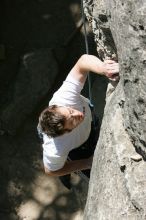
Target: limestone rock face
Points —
{"points": [[117, 188]]}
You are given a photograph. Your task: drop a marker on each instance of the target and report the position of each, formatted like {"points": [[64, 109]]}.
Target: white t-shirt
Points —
{"points": [[56, 150]]}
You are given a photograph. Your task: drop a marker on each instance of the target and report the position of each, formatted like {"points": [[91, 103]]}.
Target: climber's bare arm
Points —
{"points": [[71, 166], [90, 63]]}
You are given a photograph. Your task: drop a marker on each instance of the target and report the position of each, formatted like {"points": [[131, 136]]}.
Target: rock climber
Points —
{"points": [[66, 123]]}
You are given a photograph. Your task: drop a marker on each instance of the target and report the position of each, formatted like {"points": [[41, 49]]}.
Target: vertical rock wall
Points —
{"points": [[117, 188]]}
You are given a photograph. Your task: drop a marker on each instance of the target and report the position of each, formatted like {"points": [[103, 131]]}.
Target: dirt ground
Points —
{"points": [[26, 193]]}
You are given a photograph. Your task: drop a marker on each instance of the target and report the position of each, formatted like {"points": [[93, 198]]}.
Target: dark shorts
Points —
{"points": [[87, 149]]}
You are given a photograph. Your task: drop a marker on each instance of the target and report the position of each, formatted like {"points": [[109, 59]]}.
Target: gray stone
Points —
{"points": [[131, 45], [117, 188], [115, 177], [35, 79], [96, 13]]}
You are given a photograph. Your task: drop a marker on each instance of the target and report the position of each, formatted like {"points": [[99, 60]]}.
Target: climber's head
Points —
{"points": [[58, 120]]}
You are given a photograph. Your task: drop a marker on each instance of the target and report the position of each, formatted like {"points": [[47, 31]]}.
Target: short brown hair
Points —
{"points": [[51, 122]]}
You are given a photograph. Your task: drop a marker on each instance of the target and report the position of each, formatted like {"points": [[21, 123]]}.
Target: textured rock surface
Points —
{"points": [[117, 188], [96, 14]]}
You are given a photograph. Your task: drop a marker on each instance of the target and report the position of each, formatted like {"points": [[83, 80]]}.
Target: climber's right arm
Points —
{"points": [[90, 63]]}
